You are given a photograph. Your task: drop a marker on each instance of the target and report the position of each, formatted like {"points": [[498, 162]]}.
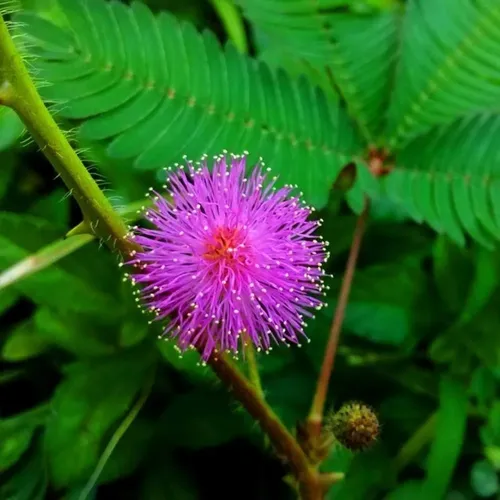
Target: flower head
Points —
{"points": [[229, 259], [355, 426]]}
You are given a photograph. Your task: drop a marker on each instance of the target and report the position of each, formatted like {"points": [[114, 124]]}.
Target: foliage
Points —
{"points": [[411, 86]]}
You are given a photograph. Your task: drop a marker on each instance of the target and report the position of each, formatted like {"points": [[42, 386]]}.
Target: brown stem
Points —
{"points": [[315, 417], [285, 444]]}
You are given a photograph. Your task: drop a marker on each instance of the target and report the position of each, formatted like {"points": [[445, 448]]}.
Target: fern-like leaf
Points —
{"points": [[154, 89], [450, 178], [358, 51], [448, 67]]}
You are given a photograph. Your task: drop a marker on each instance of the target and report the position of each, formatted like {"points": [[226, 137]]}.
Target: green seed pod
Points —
{"points": [[355, 426]]}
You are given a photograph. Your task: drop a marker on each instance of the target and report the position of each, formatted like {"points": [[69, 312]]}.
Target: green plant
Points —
{"points": [[383, 112]]}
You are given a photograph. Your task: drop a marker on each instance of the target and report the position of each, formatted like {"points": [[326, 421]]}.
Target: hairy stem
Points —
{"points": [[18, 91], [253, 367], [315, 417], [283, 441]]}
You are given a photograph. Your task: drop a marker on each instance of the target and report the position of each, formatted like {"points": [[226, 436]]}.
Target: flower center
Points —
{"points": [[224, 245]]}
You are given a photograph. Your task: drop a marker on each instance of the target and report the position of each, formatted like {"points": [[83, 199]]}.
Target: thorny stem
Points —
{"points": [[18, 92], [315, 417], [312, 484]]}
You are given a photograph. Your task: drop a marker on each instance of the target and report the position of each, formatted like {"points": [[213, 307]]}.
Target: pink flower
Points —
{"points": [[229, 258]]}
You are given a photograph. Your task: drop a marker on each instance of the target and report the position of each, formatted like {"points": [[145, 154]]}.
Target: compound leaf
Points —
{"points": [[154, 89]]}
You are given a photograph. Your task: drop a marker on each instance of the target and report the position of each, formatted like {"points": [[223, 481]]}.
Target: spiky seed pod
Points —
{"points": [[355, 426]]}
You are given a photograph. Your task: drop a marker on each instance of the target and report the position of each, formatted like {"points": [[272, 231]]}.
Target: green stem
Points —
{"points": [[50, 254], [18, 91], [115, 439], [43, 259], [315, 418], [233, 23], [415, 444], [253, 367]]}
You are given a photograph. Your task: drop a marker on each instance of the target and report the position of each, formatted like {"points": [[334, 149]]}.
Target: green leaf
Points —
{"points": [[447, 68], [384, 209], [366, 472], [404, 412], [130, 451], [132, 332], [400, 243], [75, 493], [188, 362], [448, 440], [484, 479], [11, 128], [135, 326], [7, 298], [202, 418], [467, 280], [483, 388], [490, 433], [76, 333], [128, 184], [76, 283], [449, 178], [47, 8], [359, 51], [286, 392], [338, 231], [493, 455], [275, 361], [153, 115], [339, 460], [89, 401], [53, 207], [16, 434], [383, 302], [465, 345], [9, 163], [279, 56], [29, 482], [484, 284], [411, 490], [23, 342], [453, 273]]}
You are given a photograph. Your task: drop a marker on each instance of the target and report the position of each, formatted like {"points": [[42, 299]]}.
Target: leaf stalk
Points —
{"points": [[315, 418]]}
